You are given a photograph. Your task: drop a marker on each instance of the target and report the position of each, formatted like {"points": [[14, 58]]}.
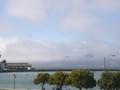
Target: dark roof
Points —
{"points": [[19, 64]]}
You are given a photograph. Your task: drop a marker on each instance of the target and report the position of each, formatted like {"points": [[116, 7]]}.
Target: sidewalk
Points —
{"points": [[18, 89]]}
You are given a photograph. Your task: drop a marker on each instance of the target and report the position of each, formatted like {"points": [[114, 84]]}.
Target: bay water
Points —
{"points": [[25, 80]]}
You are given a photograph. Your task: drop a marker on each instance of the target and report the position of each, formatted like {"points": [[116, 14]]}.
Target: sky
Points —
{"points": [[58, 30]]}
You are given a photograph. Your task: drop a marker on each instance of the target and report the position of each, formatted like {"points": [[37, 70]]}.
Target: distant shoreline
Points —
{"points": [[52, 70]]}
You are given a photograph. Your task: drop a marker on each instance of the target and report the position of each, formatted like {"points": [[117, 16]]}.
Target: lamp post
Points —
{"points": [[105, 61], [14, 80]]}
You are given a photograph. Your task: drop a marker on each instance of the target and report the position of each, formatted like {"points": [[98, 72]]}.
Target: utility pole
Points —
{"points": [[14, 81]]}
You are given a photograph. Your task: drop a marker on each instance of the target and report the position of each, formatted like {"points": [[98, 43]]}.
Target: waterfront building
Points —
{"points": [[14, 66], [3, 65]]}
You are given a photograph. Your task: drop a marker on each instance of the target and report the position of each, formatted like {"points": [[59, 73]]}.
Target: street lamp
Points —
{"points": [[105, 60], [14, 80]]}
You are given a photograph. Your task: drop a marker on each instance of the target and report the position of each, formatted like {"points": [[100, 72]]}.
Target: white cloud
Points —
{"points": [[5, 28], [83, 5], [31, 10], [26, 51], [106, 5], [85, 16], [84, 23], [5, 42], [38, 10]]}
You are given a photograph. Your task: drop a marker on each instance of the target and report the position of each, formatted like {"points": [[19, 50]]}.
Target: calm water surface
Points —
{"points": [[25, 80]]}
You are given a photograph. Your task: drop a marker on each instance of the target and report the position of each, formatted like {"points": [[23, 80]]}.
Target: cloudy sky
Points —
{"points": [[55, 30]]}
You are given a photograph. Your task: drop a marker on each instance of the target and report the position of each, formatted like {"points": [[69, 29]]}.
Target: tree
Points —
{"points": [[67, 79], [116, 80], [82, 79], [58, 79], [42, 79], [106, 81]]}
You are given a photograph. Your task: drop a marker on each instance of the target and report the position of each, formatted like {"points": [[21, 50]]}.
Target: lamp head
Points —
{"points": [[113, 55]]}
